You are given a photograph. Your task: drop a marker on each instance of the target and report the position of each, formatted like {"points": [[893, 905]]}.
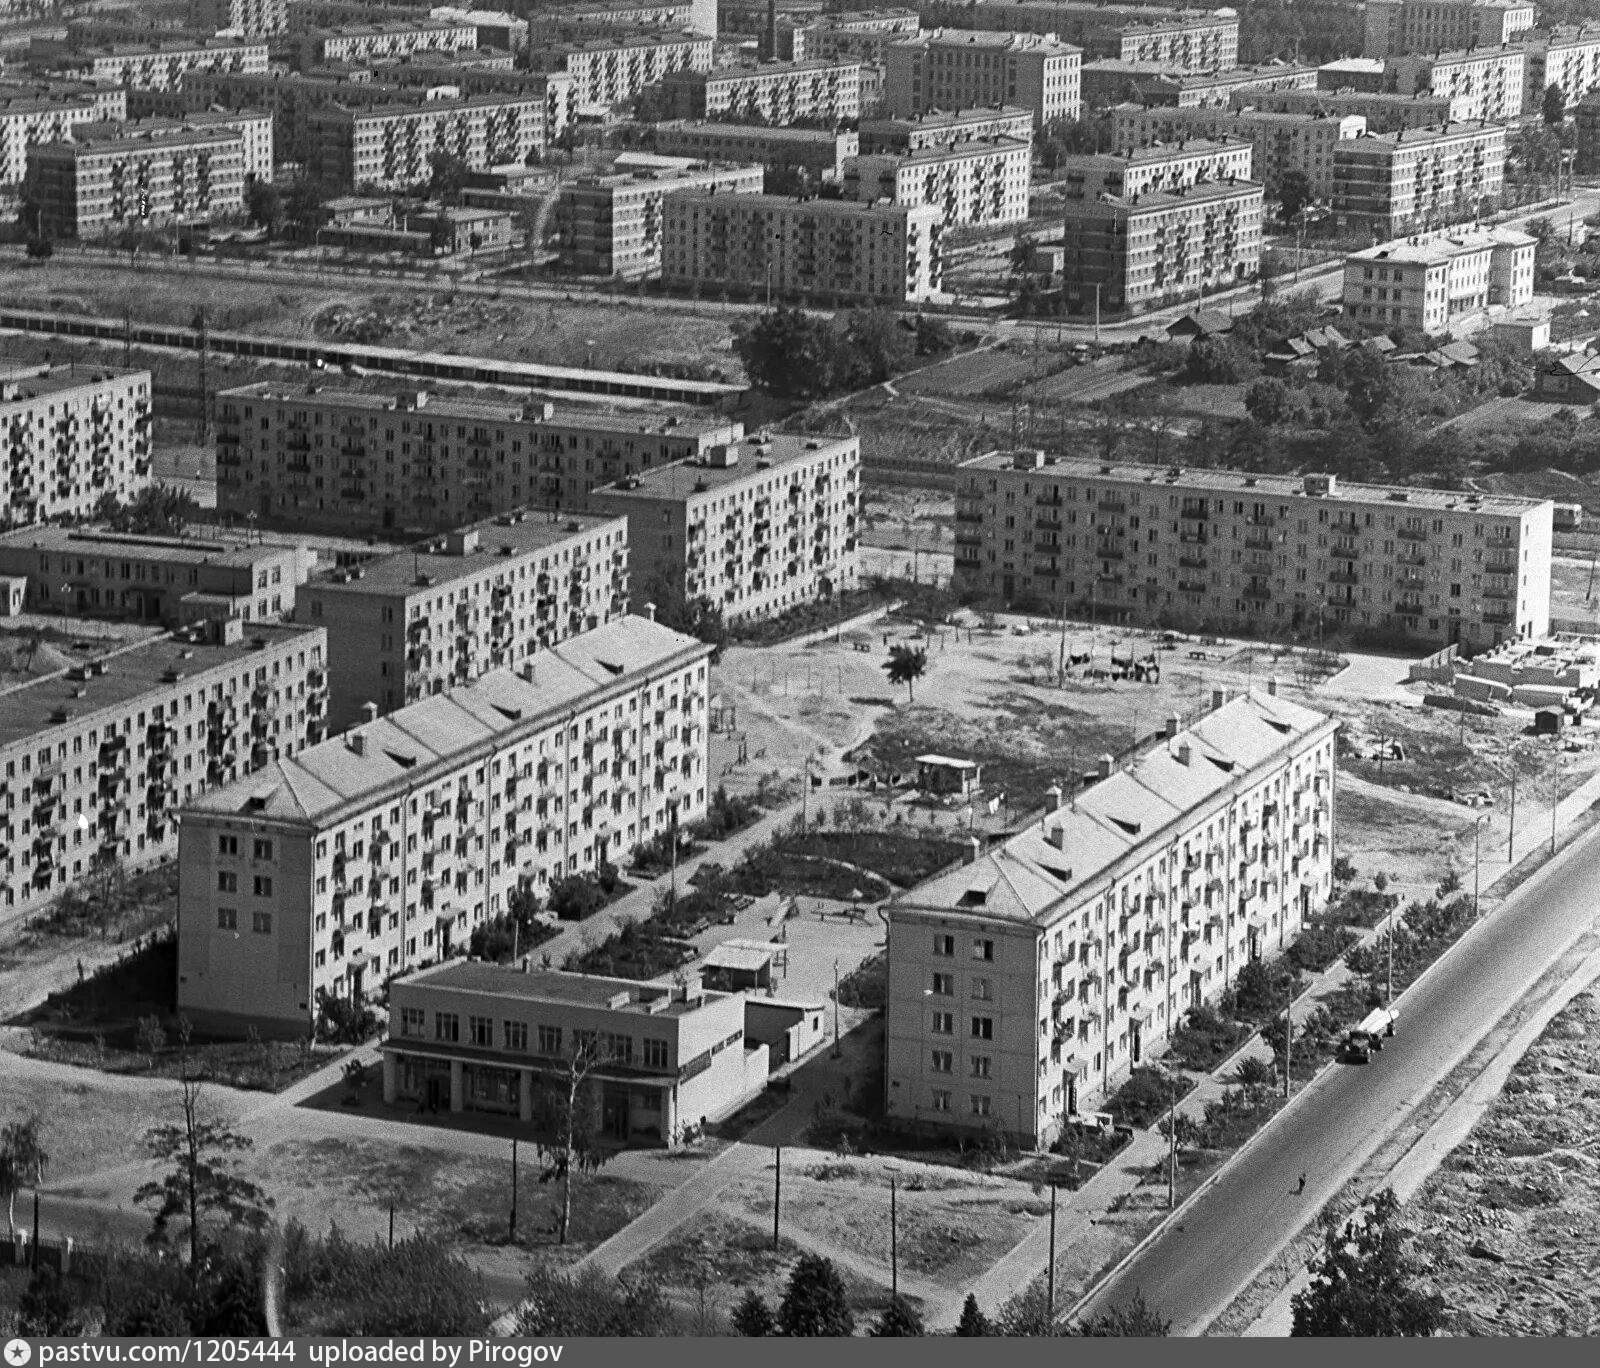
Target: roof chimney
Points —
{"points": [[1183, 752], [1104, 766], [1052, 798], [650, 611], [973, 851], [1058, 836], [358, 743], [1173, 723], [1272, 686], [1218, 698], [369, 711]]}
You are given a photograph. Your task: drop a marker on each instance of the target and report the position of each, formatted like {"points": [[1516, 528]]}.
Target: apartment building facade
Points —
{"points": [[1270, 554], [99, 757], [1396, 27], [257, 141], [944, 128], [1151, 164], [698, 16], [809, 149], [31, 122], [775, 92], [963, 68], [614, 225], [862, 34], [258, 18], [92, 188], [610, 70], [832, 250], [383, 848], [1110, 82], [1026, 985], [1383, 112], [344, 460], [1394, 183], [1567, 56], [351, 43], [1491, 82], [161, 64], [72, 439], [754, 528], [979, 182], [484, 597], [1190, 37], [1435, 283], [492, 1039], [1130, 254], [95, 573]]}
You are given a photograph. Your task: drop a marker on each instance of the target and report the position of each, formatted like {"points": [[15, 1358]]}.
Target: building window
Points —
{"points": [[263, 885], [983, 950], [941, 1101], [481, 1030], [982, 989], [226, 882], [979, 1066], [982, 1028], [261, 923], [227, 919], [942, 1061], [944, 1023], [411, 1021], [944, 945], [516, 1035], [227, 845], [944, 985], [655, 1053], [446, 1026], [549, 1040], [262, 850], [980, 1104]]}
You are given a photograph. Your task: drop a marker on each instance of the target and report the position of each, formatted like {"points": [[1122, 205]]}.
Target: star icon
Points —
{"points": [[18, 1352]]}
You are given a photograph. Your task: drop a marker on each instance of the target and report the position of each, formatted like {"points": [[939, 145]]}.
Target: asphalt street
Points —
{"points": [[1195, 1267]]}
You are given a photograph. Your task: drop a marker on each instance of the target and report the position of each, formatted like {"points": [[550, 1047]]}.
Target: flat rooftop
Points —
{"points": [[961, 151], [79, 541], [1412, 137], [749, 69], [736, 130], [402, 750], [522, 533], [550, 985], [1000, 40], [26, 710], [683, 479], [1260, 486], [950, 118], [24, 381], [1433, 251]]}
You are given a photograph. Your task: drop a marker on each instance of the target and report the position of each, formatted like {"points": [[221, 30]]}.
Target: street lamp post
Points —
{"points": [[1477, 831], [836, 1050]]}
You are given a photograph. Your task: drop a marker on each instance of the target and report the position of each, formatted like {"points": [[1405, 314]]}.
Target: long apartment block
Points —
{"points": [[1279, 143], [613, 225], [1395, 27], [1135, 253], [862, 34], [777, 93], [1391, 184], [609, 70], [1150, 164], [1218, 550], [698, 16], [99, 757], [1490, 81], [1383, 112], [484, 597], [28, 122], [159, 64], [944, 128], [163, 112], [810, 149], [1026, 985], [827, 250], [1110, 82], [754, 528], [1567, 56], [369, 42], [963, 68], [72, 439], [261, 18], [351, 461], [1191, 37], [979, 182], [376, 853], [93, 572]]}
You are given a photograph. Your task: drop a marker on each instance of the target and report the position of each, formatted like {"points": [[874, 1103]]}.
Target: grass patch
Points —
{"points": [[112, 904]]}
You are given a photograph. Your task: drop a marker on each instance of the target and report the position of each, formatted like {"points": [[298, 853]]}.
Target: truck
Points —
{"points": [[1363, 1040]]}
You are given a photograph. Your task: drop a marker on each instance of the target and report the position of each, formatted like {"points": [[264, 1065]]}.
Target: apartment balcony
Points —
{"points": [[1258, 541], [1348, 553], [1344, 576], [1411, 534], [1191, 586], [1500, 617], [1500, 567]]}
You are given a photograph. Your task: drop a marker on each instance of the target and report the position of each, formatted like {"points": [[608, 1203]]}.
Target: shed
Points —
{"points": [[738, 964], [788, 1029], [1548, 720], [942, 774]]}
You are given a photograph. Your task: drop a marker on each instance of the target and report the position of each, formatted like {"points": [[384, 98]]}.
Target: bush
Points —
{"points": [[867, 986], [574, 897], [343, 1022], [1319, 944], [1205, 1039], [1139, 1101]]}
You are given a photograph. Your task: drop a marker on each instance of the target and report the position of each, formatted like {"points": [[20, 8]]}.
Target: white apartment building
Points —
{"points": [[162, 63], [1112, 81], [830, 250], [862, 34], [1383, 112], [609, 70], [71, 439], [944, 128], [1567, 56], [812, 149], [978, 182], [1151, 165], [774, 92], [257, 144], [1279, 142], [1024, 986], [376, 853], [30, 122], [1394, 27], [1134, 253], [964, 68], [257, 18], [1436, 283], [1274, 555], [484, 597], [754, 528], [1192, 37], [1491, 82], [1389, 183], [355, 43]]}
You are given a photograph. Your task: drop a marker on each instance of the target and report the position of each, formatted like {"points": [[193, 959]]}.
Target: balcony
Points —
{"points": [[1258, 541], [1411, 534], [1345, 576], [1349, 553]]}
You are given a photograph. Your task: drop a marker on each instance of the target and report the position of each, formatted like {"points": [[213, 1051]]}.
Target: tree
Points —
{"points": [[23, 1162], [1294, 194], [589, 1303], [1271, 402], [568, 1108], [305, 206], [200, 1180], [933, 336], [790, 354], [973, 1322], [879, 346], [156, 510], [1027, 1315], [1022, 251], [906, 665], [263, 202], [574, 897], [446, 176], [1135, 1320], [1553, 107], [898, 1319], [1254, 1077], [1216, 361], [40, 248], [752, 1317], [814, 1302], [1366, 1281], [45, 1308], [441, 234]]}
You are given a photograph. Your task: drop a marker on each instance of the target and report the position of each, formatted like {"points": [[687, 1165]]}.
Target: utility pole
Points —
{"points": [[1477, 831], [1172, 1140], [1388, 990], [1097, 312], [777, 1191], [391, 1225], [1050, 1268], [1511, 838], [205, 417], [894, 1241], [836, 1050], [513, 1230], [1288, 1039]]}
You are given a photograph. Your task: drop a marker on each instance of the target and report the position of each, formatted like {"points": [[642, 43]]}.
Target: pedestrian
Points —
{"points": [[1302, 1186]]}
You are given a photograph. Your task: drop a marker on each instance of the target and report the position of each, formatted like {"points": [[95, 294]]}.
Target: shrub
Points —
{"points": [[1144, 1096], [573, 897], [343, 1022]]}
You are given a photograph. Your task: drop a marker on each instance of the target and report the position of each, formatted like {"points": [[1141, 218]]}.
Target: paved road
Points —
{"points": [[1196, 1266]]}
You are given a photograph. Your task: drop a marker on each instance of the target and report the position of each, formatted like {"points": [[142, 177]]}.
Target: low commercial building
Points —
{"points": [[99, 756], [390, 38], [755, 528], [776, 92], [1566, 56], [817, 150], [1364, 75], [258, 18], [93, 188], [1184, 36], [95, 573], [1490, 81], [72, 438], [944, 128], [1394, 183], [1436, 283], [376, 853], [1150, 165], [484, 597], [1025, 986], [29, 121], [1394, 27], [1111, 82], [979, 182], [1272, 554], [354, 462], [1134, 253], [612, 69], [962, 68], [159, 64], [831, 250], [500, 1040], [1384, 113], [613, 225]]}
